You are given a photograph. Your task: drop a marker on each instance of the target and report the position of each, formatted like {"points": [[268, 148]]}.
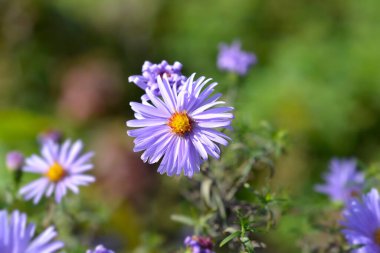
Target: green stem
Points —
{"points": [[50, 213], [17, 176]]}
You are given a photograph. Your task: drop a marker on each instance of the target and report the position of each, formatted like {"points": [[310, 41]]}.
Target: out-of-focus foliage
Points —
{"points": [[64, 64], [229, 205]]}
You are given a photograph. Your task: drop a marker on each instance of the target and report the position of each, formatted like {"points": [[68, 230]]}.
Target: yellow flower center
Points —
{"points": [[55, 172], [180, 123], [377, 236]]}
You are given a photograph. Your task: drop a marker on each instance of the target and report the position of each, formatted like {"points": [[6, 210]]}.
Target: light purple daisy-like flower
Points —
{"points": [[343, 181], [16, 235], [100, 249], [199, 244], [150, 72], [61, 167], [362, 223], [233, 59], [50, 135], [14, 160], [181, 127]]}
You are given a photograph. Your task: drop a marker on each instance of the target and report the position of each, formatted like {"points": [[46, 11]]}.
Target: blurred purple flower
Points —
{"points": [[61, 167], [233, 59], [16, 236], [181, 128], [362, 223], [50, 135], [150, 72], [15, 160], [199, 244], [100, 249], [343, 181]]}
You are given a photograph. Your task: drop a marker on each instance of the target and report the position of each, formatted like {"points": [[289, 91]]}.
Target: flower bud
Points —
{"points": [[50, 135], [14, 160]]}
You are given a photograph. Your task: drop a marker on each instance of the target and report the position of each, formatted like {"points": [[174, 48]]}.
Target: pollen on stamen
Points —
{"points": [[56, 172], [377, 236], [167, 73], [180, 123], [354, 193]]}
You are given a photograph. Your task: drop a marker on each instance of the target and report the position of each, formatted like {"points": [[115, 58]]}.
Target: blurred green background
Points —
{"points": [[64, 65]]}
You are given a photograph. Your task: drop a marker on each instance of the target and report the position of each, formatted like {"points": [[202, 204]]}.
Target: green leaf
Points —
{"points": [[206, 191], [183, 219], [220, 204], [229, 238]]}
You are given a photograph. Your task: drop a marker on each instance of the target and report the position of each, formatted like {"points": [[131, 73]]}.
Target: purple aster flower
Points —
{"points": [[15, 160], [199, 244], [343, 181], [362, 223], [150, 72], [233, 59], [50, 135], [181, 127], [16, 236], [100, 249], [61, 167]]}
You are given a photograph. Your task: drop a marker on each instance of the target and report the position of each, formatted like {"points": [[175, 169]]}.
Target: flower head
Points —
{"points": [[233, 59], [100, 249], [199, 244], [61, 167], [362, 223], [181, 127], [50, 135], [150, 72], [14, 160], [16, 236], [343, 181]]}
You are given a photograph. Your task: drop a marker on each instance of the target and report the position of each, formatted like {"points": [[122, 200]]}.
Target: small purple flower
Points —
{"points": [[150, 72], [50, 135], [362, 223], [233, 59], [180, 129], [100, 249], [343, 181], [62, 168], [16, 235], [15, 160], [199, 244]]}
